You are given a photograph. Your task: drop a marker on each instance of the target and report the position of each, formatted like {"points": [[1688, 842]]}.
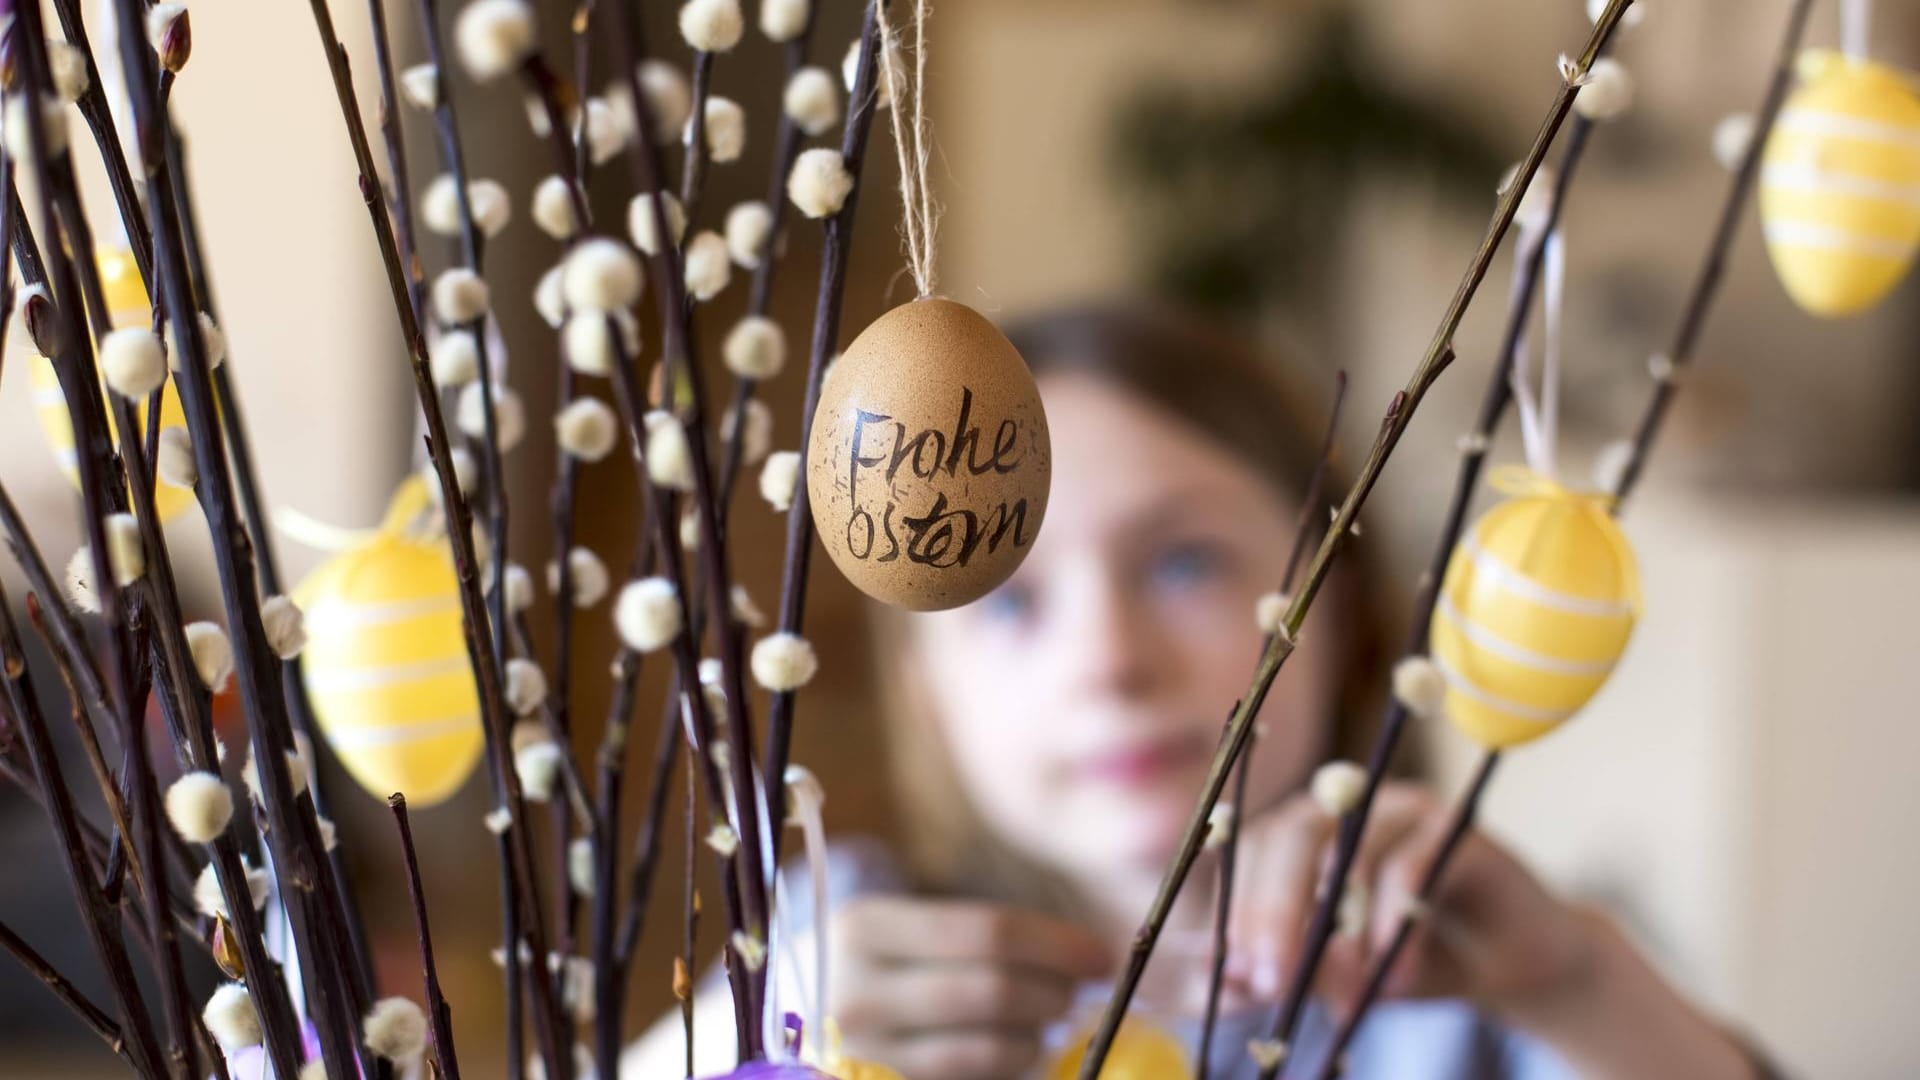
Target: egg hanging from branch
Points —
{"points": [[386, 659], [126, 306], [1537, 605], [929, 463], [1840, 185]]}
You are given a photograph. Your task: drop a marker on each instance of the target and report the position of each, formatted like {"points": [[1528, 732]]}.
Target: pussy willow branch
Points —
{"points": [[1458, 827], [1493, 407], [1308, 518], [515, 846], [256, 667], [400, 199], [439, 1015], [787, 140], [693, 172], [62, 987], [1693, 317], [1400, 411], [828, 303], [140, 1049], [447, 129]]}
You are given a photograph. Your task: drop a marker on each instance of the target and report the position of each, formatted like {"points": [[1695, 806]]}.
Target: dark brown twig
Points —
{"points": [[1399, 413], [439, 1013], [1306, 522]]}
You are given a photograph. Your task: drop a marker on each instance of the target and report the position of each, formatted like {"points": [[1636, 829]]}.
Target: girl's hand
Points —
{"points": [[949, 991], [1491, 934], [1494, 934]]}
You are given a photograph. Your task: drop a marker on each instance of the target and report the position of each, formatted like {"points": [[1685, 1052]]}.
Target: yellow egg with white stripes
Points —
{"points": [[1840, 185], [126, 306], [1539, 600], [386, 660]]}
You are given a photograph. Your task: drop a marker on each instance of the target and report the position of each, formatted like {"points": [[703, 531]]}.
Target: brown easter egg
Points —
{"points": [[929, 462]]}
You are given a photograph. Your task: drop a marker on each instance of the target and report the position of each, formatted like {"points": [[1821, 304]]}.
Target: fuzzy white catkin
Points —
{"points": [[526, 686], [440, 206], [757, 439], [589, 342], [647, 614], [212, 654], [690, 528], [509, 416], [494, 37], [1731, 138], [749, 226], [784, 661], [1608, 93], [211, 340], [1419, 686], [580, 865], [420, 85], [669, 98], [231, 1018], [1269, 610], [669, 458], [1337, 787], [744, 609], [643, 227], [850, 72], [819, 183], [396, 1029], [519, 588], [199, 806], [601, 275], [53, 112], [133, 361], [210, 901], [126, 555], [552, 209], [454, 359], [779, 477], [812, 100], [1610, 465], [69, 67], [80, 591], [605, 140], [591, 582], [713, 26], [297, 771], [492, 208], [1219, 824], [459, 295], [174, 463], [587, 429], [723, 840], [285, 625], [755, 348], [538, 766], [782, 20], [548, 300], [726, 129], [709, 268]]}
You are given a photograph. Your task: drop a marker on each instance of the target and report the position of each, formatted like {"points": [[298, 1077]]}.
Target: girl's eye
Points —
{"points": [[1188, 564], [1010, 603]]}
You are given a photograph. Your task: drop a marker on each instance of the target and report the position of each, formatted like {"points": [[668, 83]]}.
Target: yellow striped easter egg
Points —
{"points": [[127, 306], [1140, 1051], [386, 660], [1536, 608], [1840, 185]]}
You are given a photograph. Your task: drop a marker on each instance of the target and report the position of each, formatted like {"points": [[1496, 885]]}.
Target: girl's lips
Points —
{"points": [[1142, 764]]}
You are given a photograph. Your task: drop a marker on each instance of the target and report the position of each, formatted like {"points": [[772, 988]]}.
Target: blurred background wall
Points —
{"points": [[1316, 171]]}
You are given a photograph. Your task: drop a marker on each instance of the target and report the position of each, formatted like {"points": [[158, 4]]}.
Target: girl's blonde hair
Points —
{"points": [[1217, 386]]}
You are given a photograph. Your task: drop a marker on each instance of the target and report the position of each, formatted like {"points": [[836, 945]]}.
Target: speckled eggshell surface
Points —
{"points": [[929, 462]]}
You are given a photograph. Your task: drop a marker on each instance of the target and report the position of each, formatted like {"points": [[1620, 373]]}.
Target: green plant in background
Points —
{"points": [[1244, 196]]}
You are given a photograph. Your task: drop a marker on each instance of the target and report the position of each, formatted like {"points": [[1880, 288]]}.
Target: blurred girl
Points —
{"points": [[1050, 740]]}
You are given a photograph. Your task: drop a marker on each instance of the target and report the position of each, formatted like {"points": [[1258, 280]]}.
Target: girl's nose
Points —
{"points": [[1107, 642]]}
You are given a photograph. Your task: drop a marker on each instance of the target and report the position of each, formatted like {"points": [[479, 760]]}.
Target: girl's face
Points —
{"points": [[1082, 700]]}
